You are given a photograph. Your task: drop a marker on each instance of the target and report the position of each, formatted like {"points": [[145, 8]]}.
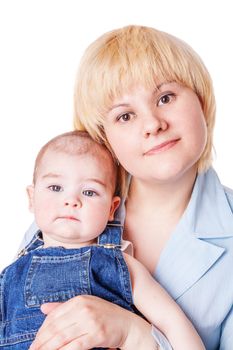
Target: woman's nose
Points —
{"points": [[153, 125]]}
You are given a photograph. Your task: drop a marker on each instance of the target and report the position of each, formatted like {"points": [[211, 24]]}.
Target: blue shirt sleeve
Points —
{"points": [[28, 236], [226, 340], [161, 339]]}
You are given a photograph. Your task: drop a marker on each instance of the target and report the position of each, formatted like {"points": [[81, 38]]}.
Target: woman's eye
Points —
{"points": [[165, 99], [55, 188], [124, 117], [89, 193]]}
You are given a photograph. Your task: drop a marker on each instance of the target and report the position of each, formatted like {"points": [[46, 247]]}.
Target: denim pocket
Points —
{"points": [[57, 278]]}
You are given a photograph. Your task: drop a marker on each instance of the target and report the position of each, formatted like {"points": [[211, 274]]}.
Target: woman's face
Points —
{"points": [[157, 135]]}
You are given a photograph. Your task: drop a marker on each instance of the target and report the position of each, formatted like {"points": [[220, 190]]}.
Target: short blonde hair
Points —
{"points": [[137, 54], [78, 143]]}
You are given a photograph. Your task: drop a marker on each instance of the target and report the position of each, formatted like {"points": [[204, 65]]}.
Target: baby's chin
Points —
{"points": [[69, 234]]}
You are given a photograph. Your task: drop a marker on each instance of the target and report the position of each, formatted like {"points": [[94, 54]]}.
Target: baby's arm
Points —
{"points": [[160, 309]]}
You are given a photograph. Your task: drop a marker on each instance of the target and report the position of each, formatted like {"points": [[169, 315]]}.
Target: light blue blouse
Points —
{"points": [[196, 265]]}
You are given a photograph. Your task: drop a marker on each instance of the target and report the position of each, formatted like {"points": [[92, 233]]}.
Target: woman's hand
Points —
{"points": [[85, 322]]}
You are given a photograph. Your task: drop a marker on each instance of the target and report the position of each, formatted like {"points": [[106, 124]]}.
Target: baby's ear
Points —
{"points": [[115, 204], [30, 192]]}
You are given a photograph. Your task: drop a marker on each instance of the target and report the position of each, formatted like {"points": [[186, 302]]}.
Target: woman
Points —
{"points": [[149, 97]]}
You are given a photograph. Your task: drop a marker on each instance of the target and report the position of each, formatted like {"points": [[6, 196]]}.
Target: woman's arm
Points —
{"points": [[85, 322], [160, 309]]}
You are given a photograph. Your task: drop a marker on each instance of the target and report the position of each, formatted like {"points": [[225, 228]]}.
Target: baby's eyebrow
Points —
{"points": [[51, 175], [97, 181]]}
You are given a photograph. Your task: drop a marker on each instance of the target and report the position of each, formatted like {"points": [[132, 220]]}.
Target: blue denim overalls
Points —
{"points": [[57, 274]]}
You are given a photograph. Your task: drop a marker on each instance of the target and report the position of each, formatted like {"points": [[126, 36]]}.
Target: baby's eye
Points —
{"points": [[89, 193], [165, 99], [55, 188]]}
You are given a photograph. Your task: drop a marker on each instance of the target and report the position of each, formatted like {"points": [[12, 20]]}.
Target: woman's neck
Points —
{"points": [[163, 199], [152, 213]]}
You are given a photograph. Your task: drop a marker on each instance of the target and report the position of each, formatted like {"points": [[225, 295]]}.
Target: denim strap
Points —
{"points": [[35, 242], [111, 236]]}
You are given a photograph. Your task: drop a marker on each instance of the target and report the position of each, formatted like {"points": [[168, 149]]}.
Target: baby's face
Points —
{"points": [[72, 198]]}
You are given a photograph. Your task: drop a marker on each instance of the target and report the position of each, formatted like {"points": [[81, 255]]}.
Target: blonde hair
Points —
{"points": [[141, 55], [78, 143]]}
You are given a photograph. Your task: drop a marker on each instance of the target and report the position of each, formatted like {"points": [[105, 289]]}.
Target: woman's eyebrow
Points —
{"points": [[119, 105], [158, 87]]}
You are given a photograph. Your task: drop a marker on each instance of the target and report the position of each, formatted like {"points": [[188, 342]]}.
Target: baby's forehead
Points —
{"points": [[90, 154], [97, 156], [76, 164]]}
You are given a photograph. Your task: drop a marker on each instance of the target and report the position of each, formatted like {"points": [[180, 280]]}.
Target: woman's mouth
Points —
{"points": [[164, 146]]}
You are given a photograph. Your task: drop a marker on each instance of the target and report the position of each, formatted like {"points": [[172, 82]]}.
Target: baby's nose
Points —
{"points": [[73, 203]]}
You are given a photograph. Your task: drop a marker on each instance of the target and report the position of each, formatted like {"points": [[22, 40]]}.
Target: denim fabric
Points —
{"points": [[57, 274]]}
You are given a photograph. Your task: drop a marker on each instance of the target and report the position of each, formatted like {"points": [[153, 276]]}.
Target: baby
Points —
{"points": [[77, 249]]}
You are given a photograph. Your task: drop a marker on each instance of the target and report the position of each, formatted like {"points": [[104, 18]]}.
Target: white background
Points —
{"points": [[41, 42]]}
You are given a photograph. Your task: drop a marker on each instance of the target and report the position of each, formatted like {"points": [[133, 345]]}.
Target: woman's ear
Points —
{"points": [[115, 204], [30, 192]]}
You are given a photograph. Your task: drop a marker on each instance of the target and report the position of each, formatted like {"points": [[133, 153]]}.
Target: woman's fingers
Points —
{"points": [[48, 307], [83, 343], [86, 322], [58, 338], [57, 329], [79, 317]]}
